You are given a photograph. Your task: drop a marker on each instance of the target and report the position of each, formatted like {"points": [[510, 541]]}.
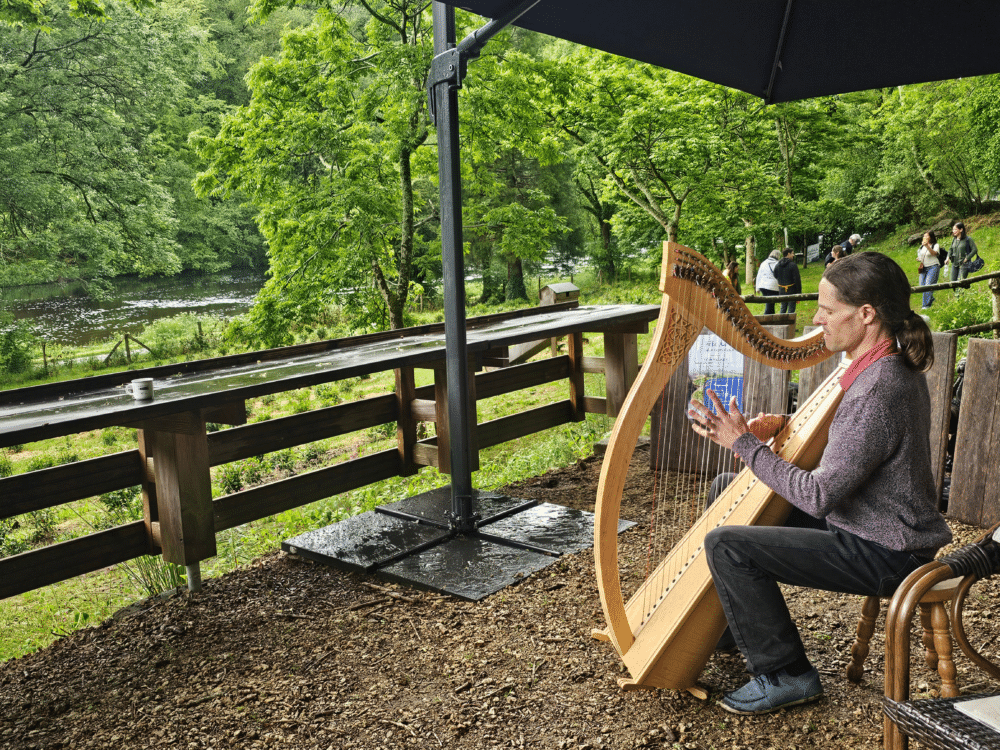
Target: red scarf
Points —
{"points": [[885, 349]]}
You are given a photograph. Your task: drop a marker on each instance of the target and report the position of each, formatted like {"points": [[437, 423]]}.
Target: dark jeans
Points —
{"points": [[957, 272], [768, 306], [748, 563], [787, 307]]}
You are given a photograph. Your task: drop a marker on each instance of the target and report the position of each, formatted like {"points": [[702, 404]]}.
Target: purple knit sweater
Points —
{"points": [[874, 479]]}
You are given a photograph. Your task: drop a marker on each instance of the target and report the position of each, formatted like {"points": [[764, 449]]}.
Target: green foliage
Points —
{"points": [[182, 334], [17, 340], [21, 533]]}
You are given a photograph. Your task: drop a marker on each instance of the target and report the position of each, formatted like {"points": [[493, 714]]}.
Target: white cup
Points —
{"points": [[141, 389]]}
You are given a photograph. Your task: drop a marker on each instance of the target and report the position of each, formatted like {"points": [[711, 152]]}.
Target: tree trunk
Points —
{"points": [[515, 281], [751, 262]]}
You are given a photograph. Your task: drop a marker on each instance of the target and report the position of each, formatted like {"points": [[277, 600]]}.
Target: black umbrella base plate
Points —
{"points": [[409, 542]]}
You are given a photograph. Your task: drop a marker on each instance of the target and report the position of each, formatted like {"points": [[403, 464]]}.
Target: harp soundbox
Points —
{"points": [[667, 629]]}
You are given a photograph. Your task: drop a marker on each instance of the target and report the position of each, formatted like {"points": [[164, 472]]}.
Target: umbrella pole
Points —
{"points": [[447, 70], [444, 111]]}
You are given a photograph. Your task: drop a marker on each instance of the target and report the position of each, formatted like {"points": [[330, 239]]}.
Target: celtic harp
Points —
{"points": [[667, 629]]}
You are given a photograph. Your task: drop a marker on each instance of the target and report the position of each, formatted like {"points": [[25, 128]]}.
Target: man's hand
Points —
{"points": [[722, 427]]}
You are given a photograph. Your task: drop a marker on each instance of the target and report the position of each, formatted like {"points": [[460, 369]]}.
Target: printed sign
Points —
{"points": [[711, 356]]}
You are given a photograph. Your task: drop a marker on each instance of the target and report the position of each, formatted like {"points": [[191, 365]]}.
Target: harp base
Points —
{"points": [[698, 691]]}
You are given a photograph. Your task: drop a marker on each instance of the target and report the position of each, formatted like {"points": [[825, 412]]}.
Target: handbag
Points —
{"points": [[920, 267], [973, 264]]}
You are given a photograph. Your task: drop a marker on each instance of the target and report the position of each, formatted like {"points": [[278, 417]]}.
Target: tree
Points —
{"points": [[325, 151], [80, 101], [42, 14]]}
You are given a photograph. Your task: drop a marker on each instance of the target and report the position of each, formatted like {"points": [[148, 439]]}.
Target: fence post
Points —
{"points": [[577, 392], [621, 366], [406, 423], [994, 285], [183, 487]]}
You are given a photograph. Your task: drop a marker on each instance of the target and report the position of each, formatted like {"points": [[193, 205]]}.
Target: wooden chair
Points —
{"points": [[936, 636], [968, 565]]}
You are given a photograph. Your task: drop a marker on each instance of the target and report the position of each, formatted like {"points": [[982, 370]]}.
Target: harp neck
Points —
{"points": [[696, 286]]}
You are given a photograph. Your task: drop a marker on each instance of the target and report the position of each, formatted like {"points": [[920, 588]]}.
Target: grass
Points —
{"points": [[35, 619]]}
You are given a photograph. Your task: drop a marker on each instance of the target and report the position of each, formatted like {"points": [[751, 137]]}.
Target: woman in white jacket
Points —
{"points": [[930, 265], [767, 284]]}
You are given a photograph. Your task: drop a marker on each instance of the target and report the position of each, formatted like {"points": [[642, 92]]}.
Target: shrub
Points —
{"points": [[17, 341]]}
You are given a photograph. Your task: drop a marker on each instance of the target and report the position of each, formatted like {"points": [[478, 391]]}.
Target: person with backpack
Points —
{"points": [[963, 247], [850, 243], [786, 272]]}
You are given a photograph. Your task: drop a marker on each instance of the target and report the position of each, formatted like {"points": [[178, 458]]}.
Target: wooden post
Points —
{"points": [[994, 285], [150, 512], [975, 478], [45, 359], [441, 410], [939, 383], [183, 487], [406, 423], [765, 388], [577, 391], [812, 378], [128, 351], [621, 366]]}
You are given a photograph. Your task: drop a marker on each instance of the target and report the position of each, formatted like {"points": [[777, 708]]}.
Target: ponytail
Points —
{"points": [[915, 342]]}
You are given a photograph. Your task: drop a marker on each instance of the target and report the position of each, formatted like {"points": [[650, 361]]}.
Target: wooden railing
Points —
{"points": [[175, 452]]}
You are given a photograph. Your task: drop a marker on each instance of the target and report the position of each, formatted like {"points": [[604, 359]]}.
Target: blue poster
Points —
{"points": [[725, 389]]}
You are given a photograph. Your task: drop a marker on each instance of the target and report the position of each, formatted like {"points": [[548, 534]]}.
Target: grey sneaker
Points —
{"points": [[769, 692]]}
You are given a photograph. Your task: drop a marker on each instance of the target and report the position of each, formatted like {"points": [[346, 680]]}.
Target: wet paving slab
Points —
{"points": [[409, 542], [551, 527], [364, 542], [433, 506], [468, 567]]}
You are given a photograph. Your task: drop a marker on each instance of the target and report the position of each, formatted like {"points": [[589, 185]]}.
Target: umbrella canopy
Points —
{"points": [[781, 50]]}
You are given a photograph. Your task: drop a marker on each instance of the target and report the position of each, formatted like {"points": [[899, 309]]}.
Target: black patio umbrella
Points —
{"points": [[780, 50]]}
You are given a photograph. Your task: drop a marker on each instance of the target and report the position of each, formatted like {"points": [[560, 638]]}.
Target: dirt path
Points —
{"points": [[290, 654]]}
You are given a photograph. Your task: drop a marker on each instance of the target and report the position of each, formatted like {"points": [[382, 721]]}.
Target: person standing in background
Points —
{"points": [[962, 248], [930, 265], [767, 285], [787, 274], [850, 243], [732, 273], [835, 254]]}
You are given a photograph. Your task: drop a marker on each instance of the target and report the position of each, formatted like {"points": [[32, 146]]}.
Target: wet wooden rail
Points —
{"points": [[175, 452]]}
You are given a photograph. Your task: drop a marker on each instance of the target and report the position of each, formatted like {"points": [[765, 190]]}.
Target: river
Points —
{"points": [[67, 314]]}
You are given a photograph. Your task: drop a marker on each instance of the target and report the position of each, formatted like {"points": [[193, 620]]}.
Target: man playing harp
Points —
{"points": [[865, 517]]}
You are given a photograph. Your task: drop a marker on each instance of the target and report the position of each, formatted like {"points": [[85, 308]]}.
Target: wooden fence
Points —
{"points": [[175, 452]]}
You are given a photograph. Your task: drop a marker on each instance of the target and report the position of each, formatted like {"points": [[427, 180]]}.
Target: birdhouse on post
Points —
{"points": [[553, 293]]}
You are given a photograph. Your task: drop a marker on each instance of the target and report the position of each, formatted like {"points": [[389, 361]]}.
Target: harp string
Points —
{"points": [[686, 464]]}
